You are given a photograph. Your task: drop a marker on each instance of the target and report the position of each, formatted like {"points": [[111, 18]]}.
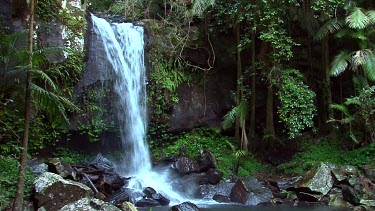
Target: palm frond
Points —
{"points": [[369, 66], [230, 117], [359, 58], [340, 63], [243, 110], [357, 18], [371, 15], [330, 26], [351, 34]]}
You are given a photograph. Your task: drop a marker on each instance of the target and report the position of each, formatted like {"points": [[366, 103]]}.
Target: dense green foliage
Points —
{"points": [[8, 180], [268, 41], [297, 107], [313, 152], [229, 161]]}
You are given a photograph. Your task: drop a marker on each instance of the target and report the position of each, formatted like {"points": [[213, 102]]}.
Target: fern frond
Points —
{"points": [[330, 26], [357, 18], [353, 101], [341, 108], [340, 63], [55, 106], [44, 77]]}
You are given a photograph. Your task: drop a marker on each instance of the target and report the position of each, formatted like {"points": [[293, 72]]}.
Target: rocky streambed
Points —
{"points": [[97, 186]]}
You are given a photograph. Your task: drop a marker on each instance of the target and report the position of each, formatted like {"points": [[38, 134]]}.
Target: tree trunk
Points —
{"points": [[253, 80], [326, 88], [238, 90], [270, 128], [18, 200]]}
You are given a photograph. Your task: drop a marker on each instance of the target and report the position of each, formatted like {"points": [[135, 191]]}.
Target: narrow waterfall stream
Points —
{"points": [[124, 47]]}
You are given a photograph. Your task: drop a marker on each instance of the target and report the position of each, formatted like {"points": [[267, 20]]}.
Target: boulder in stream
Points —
{"points": [[249, 191], [53, 192], [89, 204], [186, 165], [186, 206], [318, 179], [62, 168]]}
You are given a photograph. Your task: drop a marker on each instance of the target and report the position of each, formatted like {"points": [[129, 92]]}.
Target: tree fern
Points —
{"points": [[357, 18], [340, 63]]}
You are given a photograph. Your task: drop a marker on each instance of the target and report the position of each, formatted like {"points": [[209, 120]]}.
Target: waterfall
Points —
{"points": [[124, 46]]}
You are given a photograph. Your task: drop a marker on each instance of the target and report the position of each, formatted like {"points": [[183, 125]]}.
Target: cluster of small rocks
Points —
{"points": [[96, 186]]}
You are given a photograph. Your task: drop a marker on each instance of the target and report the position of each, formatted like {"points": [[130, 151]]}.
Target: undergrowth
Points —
{"points": [[324, 150], [8, 179], [218, 144]]}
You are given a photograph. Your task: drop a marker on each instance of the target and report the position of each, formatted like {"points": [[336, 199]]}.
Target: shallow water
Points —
{"points": [[228, 207]]}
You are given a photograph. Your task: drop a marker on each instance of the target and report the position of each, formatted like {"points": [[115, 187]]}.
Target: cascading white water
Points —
{"points": [[124, 47], [123, 44]]}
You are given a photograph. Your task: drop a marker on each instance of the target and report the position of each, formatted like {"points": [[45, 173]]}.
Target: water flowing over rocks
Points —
{"points": [[101, 188]]}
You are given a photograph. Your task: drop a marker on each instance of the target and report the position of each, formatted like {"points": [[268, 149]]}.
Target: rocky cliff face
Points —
{"points": [[199, 105], [6, 16]]}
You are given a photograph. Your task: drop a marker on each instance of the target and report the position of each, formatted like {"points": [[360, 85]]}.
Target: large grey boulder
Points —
{"points": [[250, 191], [337, 200], [186, 206], [89, 204], [53, 192], [62, 168], [318, 179], [186, 165]]}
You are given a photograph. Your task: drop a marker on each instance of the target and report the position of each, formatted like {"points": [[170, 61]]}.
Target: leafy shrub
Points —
{"points": [[297, 107], [8, 179]]}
